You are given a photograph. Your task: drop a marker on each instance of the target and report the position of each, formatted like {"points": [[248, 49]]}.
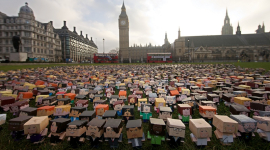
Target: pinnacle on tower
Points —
{"points": [[123, 6], [179, 33], [238, 31]]}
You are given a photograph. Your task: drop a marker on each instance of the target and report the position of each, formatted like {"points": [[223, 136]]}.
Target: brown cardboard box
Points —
{"points": [[197, 126], [263, 126], [225, 124], [36, 124], [134, 129], [178, 124]]}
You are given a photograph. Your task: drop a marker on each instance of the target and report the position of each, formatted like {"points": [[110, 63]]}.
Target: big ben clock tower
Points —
{"points": [[123, 34]]}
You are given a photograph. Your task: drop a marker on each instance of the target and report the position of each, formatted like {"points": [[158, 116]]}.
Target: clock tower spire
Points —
{"points": [[123, 25]]}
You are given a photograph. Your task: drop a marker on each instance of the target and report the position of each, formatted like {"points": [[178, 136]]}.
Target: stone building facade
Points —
{"points": [[38, 39], [224, 47], [74, 46]]}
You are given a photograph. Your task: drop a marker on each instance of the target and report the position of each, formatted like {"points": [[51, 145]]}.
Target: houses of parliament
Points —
{"points": [[227, 46]]}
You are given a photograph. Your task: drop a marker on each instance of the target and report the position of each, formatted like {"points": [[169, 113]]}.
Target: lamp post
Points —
{"points": [[188, 50], [193, 54], [103, 46]]}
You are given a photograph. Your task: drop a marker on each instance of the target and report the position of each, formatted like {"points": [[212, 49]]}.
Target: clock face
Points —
{"points": [[123, 22]]}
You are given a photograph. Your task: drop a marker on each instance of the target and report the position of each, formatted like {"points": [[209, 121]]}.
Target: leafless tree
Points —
{"points": [[115, 51]]}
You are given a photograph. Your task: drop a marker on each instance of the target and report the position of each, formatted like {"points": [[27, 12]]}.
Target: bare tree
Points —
{"points": [[115, 51]]}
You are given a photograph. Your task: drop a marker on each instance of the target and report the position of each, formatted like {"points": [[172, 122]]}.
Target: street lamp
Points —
{"points": [[188, 50]]}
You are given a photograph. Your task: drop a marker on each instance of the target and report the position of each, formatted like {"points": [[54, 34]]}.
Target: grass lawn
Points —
{"points": [[7, 143], [265, 65]]}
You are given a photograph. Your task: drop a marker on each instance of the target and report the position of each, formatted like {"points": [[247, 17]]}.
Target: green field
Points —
{"points": [[265, 65], [7, 143]]}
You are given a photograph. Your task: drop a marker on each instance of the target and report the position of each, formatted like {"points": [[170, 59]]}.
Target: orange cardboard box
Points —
{"points": [[25, 95], [39, 82], [174, 92], [70, 95], [122, 93], [53, 85]]}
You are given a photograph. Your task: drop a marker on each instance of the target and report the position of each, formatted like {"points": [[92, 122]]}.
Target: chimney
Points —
{"points": [[91, 39], [51, 22], [81, 32], [74, 29], [65, 25], [86, 36]]}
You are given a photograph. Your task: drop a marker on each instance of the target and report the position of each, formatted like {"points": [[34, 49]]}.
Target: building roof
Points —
{"points": [[66, 32], [229, 40], [26, 9]]}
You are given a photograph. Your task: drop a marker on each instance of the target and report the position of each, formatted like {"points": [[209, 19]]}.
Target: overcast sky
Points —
{"points": [[148, 19]]}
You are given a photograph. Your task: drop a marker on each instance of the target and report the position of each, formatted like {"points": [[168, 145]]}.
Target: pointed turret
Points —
{"points": [[179, 33], [238, 31], [123, 11], [263, 27], [227, 28], [123, 6]]}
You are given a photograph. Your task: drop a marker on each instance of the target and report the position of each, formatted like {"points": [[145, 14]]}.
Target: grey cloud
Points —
{"points": [[99, 18]]}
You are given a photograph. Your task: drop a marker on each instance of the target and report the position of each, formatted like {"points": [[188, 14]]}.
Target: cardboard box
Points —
{"points": [[239, 110], [245, 122], [198, 126], [87, 115], [62, 110], [225, 124], [134, 129], [114, 124], [207, 111], [59, 125], [263, 123], [154, 126], [45, 111], [16, 124], [63, 101], [160, 102], [3, 118], [36, 124], [76, 128], [28, 111], [181, 107], [142, 100], [175, 128], [186, 91], [109, 114], [95, 127]]}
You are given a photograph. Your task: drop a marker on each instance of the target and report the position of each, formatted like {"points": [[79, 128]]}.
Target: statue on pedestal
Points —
{"points": [[16, 40]]}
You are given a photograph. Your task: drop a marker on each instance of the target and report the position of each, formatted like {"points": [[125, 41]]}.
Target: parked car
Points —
{"points": [[2, 59]]}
